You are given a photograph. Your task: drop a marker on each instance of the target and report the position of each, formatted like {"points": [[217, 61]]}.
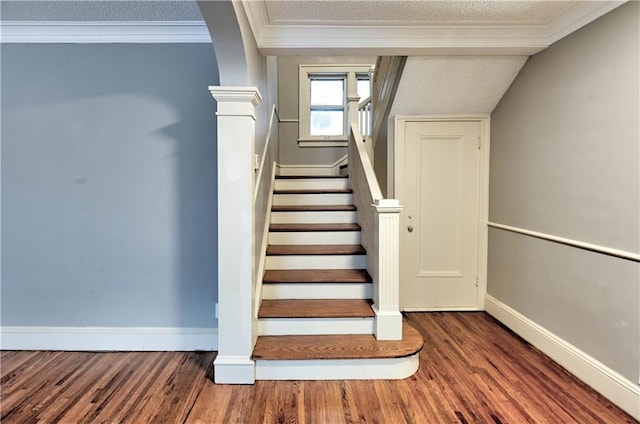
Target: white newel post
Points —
{"points": [[387, 291], [236, 146], [353, 104]]}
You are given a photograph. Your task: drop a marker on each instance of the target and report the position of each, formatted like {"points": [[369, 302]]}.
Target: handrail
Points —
{"points": [[265, 149], [359, 154]]}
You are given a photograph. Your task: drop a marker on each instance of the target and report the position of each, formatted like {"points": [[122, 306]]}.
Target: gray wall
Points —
{"points": [[108, 185], [565, 161], [290, 153]]}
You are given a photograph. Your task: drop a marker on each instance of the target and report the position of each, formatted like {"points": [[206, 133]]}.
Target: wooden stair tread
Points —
{"points": [[315, 191], [312, 249], [289, 276], [316, 308], [297, 177], [351, 346], [279, 228], [312, 208]]}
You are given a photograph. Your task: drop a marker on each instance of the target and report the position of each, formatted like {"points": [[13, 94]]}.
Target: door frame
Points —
{"points": [[398, 149]]}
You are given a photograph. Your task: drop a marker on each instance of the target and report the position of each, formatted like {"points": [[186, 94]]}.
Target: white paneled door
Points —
{"points": [[440, 193]]}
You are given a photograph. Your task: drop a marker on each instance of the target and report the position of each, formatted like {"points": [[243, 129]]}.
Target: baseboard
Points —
{"points": [[234, 370], [108, 338], [619, 390]]}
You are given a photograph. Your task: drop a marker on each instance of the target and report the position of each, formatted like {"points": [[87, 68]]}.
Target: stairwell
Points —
{"points": [[315, 319]]}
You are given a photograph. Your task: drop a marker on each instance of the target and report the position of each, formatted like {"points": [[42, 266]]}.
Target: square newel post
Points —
{"points": [[236, 146], [353, 103], [386, 296]]}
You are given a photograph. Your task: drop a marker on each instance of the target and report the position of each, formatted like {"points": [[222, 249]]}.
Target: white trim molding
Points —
{"points": [[603, 379], [622, 254], [237, 324], [108, 338], [416, 38], [104, 32]]}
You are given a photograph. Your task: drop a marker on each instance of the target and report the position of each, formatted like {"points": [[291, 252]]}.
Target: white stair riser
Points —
{"points": [[314, 326], [317, 237], [338, 369], [313, 199], [317, 291], [316, 262], [312, 183], [332, 217]]}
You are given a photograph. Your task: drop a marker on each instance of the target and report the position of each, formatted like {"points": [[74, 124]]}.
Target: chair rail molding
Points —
{"points": [[622, 254]]}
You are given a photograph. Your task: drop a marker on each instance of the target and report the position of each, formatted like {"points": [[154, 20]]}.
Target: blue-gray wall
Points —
{"points": [[108, 185]]}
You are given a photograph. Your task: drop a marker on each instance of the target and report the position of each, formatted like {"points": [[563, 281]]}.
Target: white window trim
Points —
{"points": [[351, 72]]}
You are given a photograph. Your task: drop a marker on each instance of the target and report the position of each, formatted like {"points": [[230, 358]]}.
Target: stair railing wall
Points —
{"points": [[263, 198], [379, 221], [386, 80]]}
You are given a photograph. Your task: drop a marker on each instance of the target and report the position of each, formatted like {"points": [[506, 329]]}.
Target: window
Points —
{"points": [[324, 91], [327, 106]]}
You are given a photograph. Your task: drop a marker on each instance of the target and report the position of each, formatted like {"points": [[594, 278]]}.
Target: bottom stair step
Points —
{"points": [[335, 347]]}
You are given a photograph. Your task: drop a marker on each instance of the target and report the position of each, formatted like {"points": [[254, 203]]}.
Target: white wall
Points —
{"points": [[290, 152], [565, 161]]}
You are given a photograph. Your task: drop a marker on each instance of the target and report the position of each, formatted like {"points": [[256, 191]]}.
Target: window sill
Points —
{"points": [[335, 142]]}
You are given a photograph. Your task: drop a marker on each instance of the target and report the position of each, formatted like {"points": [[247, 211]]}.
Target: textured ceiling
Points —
{"points": [[99, 11], [390, 12], [445, 85]]}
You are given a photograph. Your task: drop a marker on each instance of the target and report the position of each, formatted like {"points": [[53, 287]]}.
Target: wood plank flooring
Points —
{"points": [[472, 370]]}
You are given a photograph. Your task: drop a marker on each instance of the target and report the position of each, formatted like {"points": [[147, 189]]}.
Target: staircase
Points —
{"points": [[315, 319]]}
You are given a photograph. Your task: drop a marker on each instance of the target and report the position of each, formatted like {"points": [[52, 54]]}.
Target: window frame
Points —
{"points": [[350, 73]]}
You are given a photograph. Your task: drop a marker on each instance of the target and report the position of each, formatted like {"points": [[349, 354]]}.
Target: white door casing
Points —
{"points": [[441, 178]]}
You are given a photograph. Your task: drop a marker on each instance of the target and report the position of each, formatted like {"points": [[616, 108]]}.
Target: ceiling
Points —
{"points": [[416, 26], [314, 12]]}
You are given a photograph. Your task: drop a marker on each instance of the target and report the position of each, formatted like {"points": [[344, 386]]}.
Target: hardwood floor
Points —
{"points": [[472, 370]]}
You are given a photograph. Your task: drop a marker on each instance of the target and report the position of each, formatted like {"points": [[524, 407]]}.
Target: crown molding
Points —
{"points": [[578, 16], [413, 39], [104, 32]]}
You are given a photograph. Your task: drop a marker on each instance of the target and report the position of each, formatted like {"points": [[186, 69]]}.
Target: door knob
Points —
{"points": [[410, 228]]}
